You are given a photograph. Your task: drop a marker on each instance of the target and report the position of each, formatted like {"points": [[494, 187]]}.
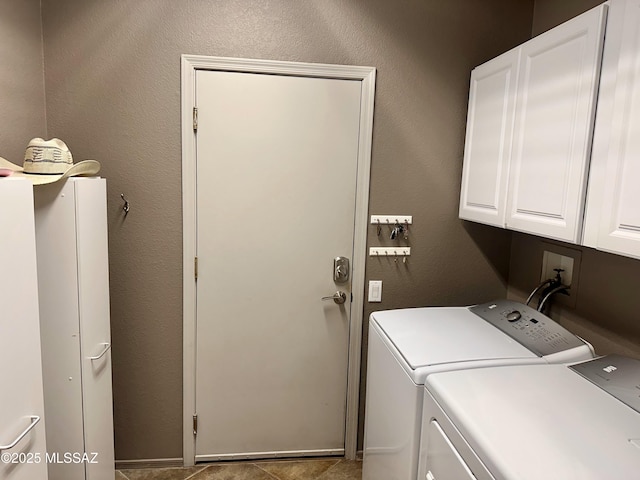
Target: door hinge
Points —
{"points": [[195, 267], [195, 424], [195, 119]]}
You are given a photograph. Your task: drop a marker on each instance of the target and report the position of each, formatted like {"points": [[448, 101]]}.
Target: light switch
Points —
{"points": [[375, 290]]}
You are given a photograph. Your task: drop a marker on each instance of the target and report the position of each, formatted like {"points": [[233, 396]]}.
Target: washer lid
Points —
{"points": [[539, 421], [423, 337]]}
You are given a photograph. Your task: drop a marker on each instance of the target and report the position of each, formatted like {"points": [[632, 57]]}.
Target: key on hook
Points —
{"points": [[397, 230]]}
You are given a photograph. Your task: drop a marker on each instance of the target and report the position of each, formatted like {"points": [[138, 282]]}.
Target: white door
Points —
{"points": [[276, 196], [22, 426], [555, 111]]}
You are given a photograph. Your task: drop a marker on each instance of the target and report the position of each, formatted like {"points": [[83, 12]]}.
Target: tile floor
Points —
{"points": [[315, 469]]}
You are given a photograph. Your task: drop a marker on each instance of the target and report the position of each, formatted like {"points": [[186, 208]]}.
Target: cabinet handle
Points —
{"points": [[107, 346], [34, 419]]}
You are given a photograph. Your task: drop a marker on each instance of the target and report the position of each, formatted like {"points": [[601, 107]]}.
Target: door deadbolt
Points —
{"points": [[341, 269]]}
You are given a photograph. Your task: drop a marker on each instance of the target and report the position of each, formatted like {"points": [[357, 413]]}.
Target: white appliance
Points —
{"points": [[73, 279], [407, 345], [22, 416], [530, 422]]}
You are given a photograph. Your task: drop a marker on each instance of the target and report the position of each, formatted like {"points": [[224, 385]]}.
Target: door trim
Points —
{"points": [[366, 75]]}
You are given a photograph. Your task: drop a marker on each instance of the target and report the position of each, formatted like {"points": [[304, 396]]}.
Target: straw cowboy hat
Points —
{"points": [[47, 161]]}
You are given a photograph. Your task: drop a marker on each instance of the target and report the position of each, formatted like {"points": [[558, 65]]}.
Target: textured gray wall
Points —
{"points": [[607, 302], [112, 72], [550, 13], [113, 94], [22, 107]]}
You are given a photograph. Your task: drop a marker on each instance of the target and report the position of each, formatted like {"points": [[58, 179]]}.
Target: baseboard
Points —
{"points": [[149, 463]]}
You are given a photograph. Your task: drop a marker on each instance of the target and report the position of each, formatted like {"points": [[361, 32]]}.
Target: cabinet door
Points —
{"points": [[71, 227], [55, 217], [555, 109], [95, 327], [488, 140], [614, 197], [21, 400]]}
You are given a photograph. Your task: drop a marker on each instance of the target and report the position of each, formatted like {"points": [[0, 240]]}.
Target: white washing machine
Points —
{"points": [[533, 422], [407, 345]]}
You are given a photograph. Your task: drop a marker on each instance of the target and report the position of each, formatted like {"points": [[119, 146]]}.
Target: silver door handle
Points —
{"points": [[34, 419], [107, 346], [338, 297]]}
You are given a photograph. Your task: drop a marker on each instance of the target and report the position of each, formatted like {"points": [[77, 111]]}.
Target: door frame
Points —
{"points": [[366, 75]]}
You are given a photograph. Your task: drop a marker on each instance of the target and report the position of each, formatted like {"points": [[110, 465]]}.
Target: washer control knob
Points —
{"points": [[514, 316]]}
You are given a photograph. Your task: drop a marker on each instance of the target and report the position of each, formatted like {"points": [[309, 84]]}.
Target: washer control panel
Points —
{"points": [[616, 375], [532, 329]]}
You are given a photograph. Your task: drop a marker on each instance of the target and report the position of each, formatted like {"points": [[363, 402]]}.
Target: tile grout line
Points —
{"points": [[333, 466], [330, 468], [197, 473], [263, 470]]}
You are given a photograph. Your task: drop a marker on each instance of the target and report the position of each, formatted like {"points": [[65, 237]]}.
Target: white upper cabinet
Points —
{"points": [[555, 111], [543, 141], [612, 220], [488, 140]]}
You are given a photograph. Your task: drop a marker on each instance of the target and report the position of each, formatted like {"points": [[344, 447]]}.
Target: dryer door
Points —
{"points": [[442, 459]]}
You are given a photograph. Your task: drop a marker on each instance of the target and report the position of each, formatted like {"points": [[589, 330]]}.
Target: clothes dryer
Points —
{"points": [[407, 345], [530, 422]]}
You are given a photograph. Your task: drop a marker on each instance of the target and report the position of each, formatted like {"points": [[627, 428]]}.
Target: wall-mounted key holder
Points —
{"points": [[389, 251], [391, 219], [400, 224]]}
